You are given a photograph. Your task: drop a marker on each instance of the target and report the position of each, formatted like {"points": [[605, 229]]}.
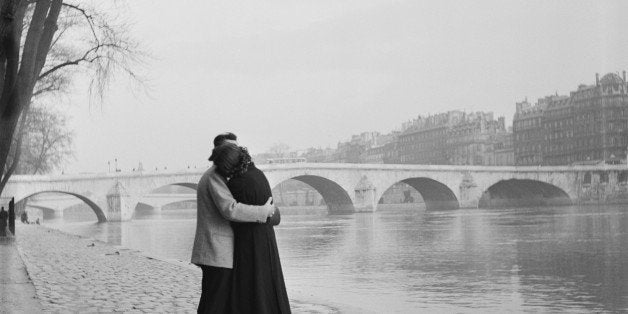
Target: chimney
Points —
{"points": [[597, 79]]}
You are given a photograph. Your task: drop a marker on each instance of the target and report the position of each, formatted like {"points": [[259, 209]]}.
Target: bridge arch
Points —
{"points": [[100, 215], [157, 204], [523, 193], [193, 186], [436, 195], [47, 212], [334, 195]]}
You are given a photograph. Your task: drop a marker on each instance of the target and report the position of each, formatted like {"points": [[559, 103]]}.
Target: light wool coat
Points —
{"points": [[213, 242]]}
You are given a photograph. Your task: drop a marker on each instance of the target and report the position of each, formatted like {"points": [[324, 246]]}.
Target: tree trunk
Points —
{"points": [[10, 31], [17, 90]]}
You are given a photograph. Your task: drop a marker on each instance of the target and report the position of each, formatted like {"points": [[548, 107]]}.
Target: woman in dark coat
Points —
{"points": [[258, 285]]}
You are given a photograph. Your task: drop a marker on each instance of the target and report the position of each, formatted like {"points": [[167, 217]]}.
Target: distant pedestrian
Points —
{"points": [[24, 217], [3, 222], [12, 216]]}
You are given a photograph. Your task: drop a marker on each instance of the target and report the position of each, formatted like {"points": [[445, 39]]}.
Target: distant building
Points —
{"points": [[318, 154], [454, 137], [373, 155], [558, 128], [348, 152], [598, 129], [473, 140], [366, 139], [589, 126], [376, 153], [503, 149], [528, 133], [384, 139], [424, 140], [366, 147], [391, 153]]}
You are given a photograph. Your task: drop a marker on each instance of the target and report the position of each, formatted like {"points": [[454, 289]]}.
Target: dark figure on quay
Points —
{"points": [[12, 216], [24, 217], [3, 222]]}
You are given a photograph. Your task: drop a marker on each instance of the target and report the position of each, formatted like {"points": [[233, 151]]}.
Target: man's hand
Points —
{"points": [[270, 207], [275, 219]]}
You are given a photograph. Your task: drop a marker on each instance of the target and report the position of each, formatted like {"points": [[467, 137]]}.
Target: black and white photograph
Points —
{"points": [[313, 156]]}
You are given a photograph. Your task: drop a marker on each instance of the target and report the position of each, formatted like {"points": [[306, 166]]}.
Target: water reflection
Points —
{"points": [[577, 259], [408, 260]]}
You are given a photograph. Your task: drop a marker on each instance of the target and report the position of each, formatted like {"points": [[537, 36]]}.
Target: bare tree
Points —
{"points": [[46, 143], [43, 44], [279, 150]]}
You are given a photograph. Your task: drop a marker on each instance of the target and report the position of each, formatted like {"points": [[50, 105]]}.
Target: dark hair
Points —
{"points": [[230, 159], [222, 137]]}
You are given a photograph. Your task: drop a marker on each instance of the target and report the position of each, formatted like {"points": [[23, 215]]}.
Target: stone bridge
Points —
{"points": [[350, 188], [53, 205]]}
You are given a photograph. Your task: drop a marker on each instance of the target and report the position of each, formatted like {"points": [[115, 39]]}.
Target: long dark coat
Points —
{"points": [[258, 283]]}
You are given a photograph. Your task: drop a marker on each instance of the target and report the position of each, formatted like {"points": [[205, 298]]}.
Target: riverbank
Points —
{"points": [[78, 274], [17, 292]]}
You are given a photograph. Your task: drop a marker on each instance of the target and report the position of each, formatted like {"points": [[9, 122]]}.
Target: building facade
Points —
{"points": [[503, 150], [557, 125], [599, 129], [391, 153], [473, 140], [454, 137], [373, 155], [424, 139], [587, 127], [528, 134]]}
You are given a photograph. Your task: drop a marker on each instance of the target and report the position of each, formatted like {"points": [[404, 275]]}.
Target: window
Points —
{"points": [[622, 177], [587, 178], [603, 177]]}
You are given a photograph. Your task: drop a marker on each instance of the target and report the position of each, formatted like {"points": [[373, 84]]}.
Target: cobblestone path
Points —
{"points": [[76, 274]]}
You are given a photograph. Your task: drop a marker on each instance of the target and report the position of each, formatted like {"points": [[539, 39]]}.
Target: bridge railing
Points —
{"points": [[323, 166]]}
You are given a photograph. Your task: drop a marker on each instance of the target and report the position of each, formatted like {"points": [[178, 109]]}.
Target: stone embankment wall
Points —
{"points": [[598, 192]]}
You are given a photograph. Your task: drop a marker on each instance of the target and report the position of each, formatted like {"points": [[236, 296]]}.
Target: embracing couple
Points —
{"points": [[235, 243]]}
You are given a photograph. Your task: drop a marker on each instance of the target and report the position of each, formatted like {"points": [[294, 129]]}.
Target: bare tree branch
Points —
{"points": [[85, 57], [88, 17]]}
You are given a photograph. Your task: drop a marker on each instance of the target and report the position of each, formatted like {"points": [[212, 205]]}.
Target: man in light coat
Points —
{"points": [[213, 242]]}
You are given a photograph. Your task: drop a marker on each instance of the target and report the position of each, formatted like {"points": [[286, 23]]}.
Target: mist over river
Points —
{"points": [[401, 259]]}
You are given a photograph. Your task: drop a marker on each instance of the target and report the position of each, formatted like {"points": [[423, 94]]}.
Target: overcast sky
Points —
{"points": [[312, 73]]}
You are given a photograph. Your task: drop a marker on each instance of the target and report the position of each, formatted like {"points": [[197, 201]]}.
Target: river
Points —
{"points": [[558, 259]]}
